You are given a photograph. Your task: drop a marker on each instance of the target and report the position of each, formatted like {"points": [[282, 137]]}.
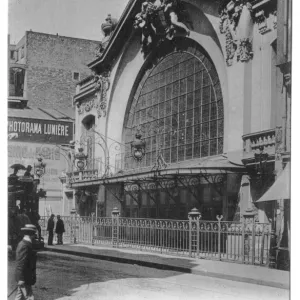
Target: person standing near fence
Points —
{"points": [[50, 228], [59, 230], [25, 264]]}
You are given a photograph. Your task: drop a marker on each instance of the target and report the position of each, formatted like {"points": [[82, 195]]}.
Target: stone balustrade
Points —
{"points": [[254, 142]]}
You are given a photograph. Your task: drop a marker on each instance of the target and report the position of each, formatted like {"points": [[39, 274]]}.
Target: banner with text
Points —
{"points": [[41, 131]]}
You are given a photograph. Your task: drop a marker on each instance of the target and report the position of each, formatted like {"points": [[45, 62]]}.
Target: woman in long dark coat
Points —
{"points": [[59, 230]]}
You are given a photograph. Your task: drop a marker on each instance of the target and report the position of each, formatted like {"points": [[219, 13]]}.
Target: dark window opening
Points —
{"points": [[16, 82], [76, 76]]}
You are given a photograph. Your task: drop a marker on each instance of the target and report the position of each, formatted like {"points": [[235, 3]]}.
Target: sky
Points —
{"points": [[75, 18]]}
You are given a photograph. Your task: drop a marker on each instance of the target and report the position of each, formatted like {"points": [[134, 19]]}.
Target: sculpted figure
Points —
{"points": [[170, 9]]}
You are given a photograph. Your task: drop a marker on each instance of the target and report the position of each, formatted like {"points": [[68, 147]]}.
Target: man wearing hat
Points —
{"points": [[25, 264], [59, 230], [50, 228]]}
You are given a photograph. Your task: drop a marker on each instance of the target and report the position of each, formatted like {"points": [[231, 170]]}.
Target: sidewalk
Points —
{"points": [[211, 268]]}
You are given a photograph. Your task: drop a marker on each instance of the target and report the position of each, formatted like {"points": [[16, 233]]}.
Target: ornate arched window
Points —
{"points": [[178, 106]]}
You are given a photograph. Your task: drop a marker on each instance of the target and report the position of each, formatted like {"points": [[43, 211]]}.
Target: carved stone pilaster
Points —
{"points": [[245, 52], [101, 88], [279, 148], [237, 14]]}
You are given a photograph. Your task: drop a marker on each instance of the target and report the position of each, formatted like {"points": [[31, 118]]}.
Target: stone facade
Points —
{"points": [[238, 40]]}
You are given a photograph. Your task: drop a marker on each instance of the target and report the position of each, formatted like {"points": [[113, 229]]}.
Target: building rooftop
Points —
{"points": [[42, 113]]}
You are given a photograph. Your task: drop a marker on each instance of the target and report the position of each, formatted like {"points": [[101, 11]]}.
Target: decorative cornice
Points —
{"points": [[101, 84]]}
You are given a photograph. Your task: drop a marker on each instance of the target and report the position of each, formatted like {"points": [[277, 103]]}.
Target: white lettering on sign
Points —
{"points": [[36, 128], [20, 151], [26, 127]]}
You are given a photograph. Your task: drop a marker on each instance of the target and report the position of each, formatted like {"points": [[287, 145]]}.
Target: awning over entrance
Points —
{"points": [[214, 165], [281, 187]]}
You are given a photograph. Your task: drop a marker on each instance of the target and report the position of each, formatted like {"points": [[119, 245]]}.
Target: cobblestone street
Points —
{"points": [[69, 277]]}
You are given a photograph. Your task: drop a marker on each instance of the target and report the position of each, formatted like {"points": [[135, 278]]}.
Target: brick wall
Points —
{"points": [[51, 61]]}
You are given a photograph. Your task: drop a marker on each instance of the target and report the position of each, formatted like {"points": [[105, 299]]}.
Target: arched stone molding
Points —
{"points": [[129, 65], [129, 74]]}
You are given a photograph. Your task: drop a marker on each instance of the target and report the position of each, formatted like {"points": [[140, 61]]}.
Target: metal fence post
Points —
{"points": [[92, 228], [219, 218], [253, 241], [198, 234], [194, 216], [249, 214], [115, 227], [243, 239]]}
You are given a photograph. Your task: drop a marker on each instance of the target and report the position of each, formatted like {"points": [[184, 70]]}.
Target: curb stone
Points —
{"points": [[168, 267]]}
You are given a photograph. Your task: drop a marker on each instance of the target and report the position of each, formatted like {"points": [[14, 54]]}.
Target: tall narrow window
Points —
{"points": [[88, 140]]}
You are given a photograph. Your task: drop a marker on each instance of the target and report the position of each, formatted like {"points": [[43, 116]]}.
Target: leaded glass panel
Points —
{"points": [[179, 110]]}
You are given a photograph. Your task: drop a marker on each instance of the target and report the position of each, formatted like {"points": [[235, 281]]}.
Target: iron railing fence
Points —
{"points": [[77, 229], [244, 242]]}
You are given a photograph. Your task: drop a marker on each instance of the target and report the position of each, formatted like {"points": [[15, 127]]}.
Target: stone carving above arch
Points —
{"points": [[159, 20]]}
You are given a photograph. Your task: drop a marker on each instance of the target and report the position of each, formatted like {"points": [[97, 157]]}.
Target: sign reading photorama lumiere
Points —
{"points": [[37, 130]]}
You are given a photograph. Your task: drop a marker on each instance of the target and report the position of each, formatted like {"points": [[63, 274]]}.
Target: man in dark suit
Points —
{"points": [[50, 228], [26, 264], [59, 230]]}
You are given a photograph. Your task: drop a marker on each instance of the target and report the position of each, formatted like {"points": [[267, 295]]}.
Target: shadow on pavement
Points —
{"points": [[62, 275]]}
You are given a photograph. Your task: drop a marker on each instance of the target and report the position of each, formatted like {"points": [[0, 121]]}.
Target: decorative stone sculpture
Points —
{"points": [[245, 52], [101, 87], [107, 29], [262, 22], [237, 14], [86, 106], [158, 21]]}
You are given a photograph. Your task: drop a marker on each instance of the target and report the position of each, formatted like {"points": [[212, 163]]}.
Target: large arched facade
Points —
{"points": [[177, 105]]}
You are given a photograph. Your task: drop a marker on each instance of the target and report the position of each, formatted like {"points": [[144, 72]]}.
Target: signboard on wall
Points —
{"points": [[27, 153], [37, 130]]}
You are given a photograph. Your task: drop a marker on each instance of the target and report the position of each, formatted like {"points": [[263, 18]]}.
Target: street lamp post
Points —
{"points": [[39, 167], [80, 161], [138, 147]]}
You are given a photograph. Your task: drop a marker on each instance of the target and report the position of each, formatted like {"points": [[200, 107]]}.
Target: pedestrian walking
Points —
{"points": [[50, 228], [25, 264], [59, 230]]}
